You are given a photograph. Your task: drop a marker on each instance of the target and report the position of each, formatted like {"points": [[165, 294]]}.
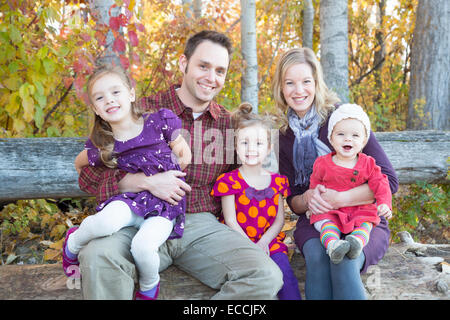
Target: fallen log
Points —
{"points": [[402, 274], [32, 168]]}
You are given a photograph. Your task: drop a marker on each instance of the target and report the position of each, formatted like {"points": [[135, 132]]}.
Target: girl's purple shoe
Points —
{"points": [[66, 261], [140, 296]]}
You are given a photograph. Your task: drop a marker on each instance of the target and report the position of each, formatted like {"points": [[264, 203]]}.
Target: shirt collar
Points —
{"points": [[213, 108]]}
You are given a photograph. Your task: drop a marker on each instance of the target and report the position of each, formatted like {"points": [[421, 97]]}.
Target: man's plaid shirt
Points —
{"points": [[211, 140]]}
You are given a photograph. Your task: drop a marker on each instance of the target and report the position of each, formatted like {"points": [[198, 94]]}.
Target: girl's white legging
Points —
{"points": [[153, 232]]}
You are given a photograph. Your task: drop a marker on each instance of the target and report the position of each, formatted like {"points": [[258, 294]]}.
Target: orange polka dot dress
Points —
{"points": [[255, 209]]}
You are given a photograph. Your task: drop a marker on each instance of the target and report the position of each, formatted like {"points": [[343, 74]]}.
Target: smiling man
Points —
{"points": [[209, 251]]}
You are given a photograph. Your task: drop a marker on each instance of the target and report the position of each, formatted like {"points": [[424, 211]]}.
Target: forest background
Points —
{"points": [[49, 47]]}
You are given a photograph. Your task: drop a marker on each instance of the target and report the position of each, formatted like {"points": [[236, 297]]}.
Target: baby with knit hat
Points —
{"points": [[346, 168]]}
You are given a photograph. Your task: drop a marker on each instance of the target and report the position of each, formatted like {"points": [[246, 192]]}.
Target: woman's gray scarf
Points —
{"points": [[307, 146]]}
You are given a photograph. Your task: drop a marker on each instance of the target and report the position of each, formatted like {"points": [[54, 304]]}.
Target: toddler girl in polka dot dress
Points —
{"points": [[252, 197]]}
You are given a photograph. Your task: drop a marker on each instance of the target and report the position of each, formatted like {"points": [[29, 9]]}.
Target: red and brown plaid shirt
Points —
{"points": [[212, 143]]}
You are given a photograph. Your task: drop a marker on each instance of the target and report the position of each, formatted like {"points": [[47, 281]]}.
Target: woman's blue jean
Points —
{"points": [[325, 280]]}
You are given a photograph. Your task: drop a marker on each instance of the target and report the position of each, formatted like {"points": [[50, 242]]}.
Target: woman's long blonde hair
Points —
{"points": [[101, 133], [324, 100]]}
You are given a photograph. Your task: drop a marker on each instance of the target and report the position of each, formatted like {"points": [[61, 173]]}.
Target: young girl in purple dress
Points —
{"points": [[252, 197], [124, 137]]}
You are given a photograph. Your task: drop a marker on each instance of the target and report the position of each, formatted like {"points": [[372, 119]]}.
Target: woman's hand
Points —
{"points": [[333, 198], [316, 203], [264, 246], [384, 211]]}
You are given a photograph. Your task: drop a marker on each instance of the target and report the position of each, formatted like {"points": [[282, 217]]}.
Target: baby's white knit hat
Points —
{"points": [[346, 111]]}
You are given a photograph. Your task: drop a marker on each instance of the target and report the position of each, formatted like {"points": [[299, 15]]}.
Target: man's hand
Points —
{"points": [[165, 185]]}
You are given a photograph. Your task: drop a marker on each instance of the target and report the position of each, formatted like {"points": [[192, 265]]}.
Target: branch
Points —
{"points": [[358, 81], [57, 104], [233, 25]]}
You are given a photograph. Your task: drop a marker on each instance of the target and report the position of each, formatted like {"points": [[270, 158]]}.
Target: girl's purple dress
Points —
{"points": [[150, 153]]}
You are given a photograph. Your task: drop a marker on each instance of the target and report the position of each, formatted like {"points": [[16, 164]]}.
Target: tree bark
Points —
{"points": [[197, 9], [308, 23], [33, 168], [189, 8], [334, 45], [249, 81], [380, 50], [429, 92], [100, 9], [193, 6]]}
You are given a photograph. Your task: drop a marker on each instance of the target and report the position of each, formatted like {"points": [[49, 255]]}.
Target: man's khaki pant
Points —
{"points": [[209, 251]]}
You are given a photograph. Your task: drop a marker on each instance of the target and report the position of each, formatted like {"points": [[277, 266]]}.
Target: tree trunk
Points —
{"points": [[189, 9], [380, 50], [249, 82], [308, 23], [197, 9], [33, 168], [100, 9], [334, 45], [429, 92]]}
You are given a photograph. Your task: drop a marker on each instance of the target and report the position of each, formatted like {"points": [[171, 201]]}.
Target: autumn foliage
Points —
{"points": [[50, 47]]}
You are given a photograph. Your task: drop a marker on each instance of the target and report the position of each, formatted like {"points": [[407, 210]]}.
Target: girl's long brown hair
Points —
{"points": [[101, 133]]}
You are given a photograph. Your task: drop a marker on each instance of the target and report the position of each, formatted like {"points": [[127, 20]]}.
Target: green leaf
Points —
{"points": [[42, 53], [63, 51], [41, 99], [24, 90], [49, 66], [53, 132], [10, 52], [14, 35], [39, 88], [39, 117]]}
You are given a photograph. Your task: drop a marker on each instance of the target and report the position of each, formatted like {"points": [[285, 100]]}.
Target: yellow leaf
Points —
{"points": [[28, 108], [289, 225], [57, 245], [51, 254], [19, 125], [13, 106], [12, 83], [68, 119], [131, 5], [58, 231]]}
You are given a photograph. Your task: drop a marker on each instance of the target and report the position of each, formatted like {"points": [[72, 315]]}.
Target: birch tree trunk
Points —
{"points": [[308, 22], [197, 9], [194, 6], [249, 81], [429, 92], [334, 45], [100, 8], [189, 9]]}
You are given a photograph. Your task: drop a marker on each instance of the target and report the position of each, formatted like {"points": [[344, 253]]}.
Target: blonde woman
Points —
{"points": [[305, 104]]}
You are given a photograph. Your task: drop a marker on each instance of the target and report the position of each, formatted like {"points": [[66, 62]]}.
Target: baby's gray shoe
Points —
{"points": [[337, 250], [356, 246]]}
